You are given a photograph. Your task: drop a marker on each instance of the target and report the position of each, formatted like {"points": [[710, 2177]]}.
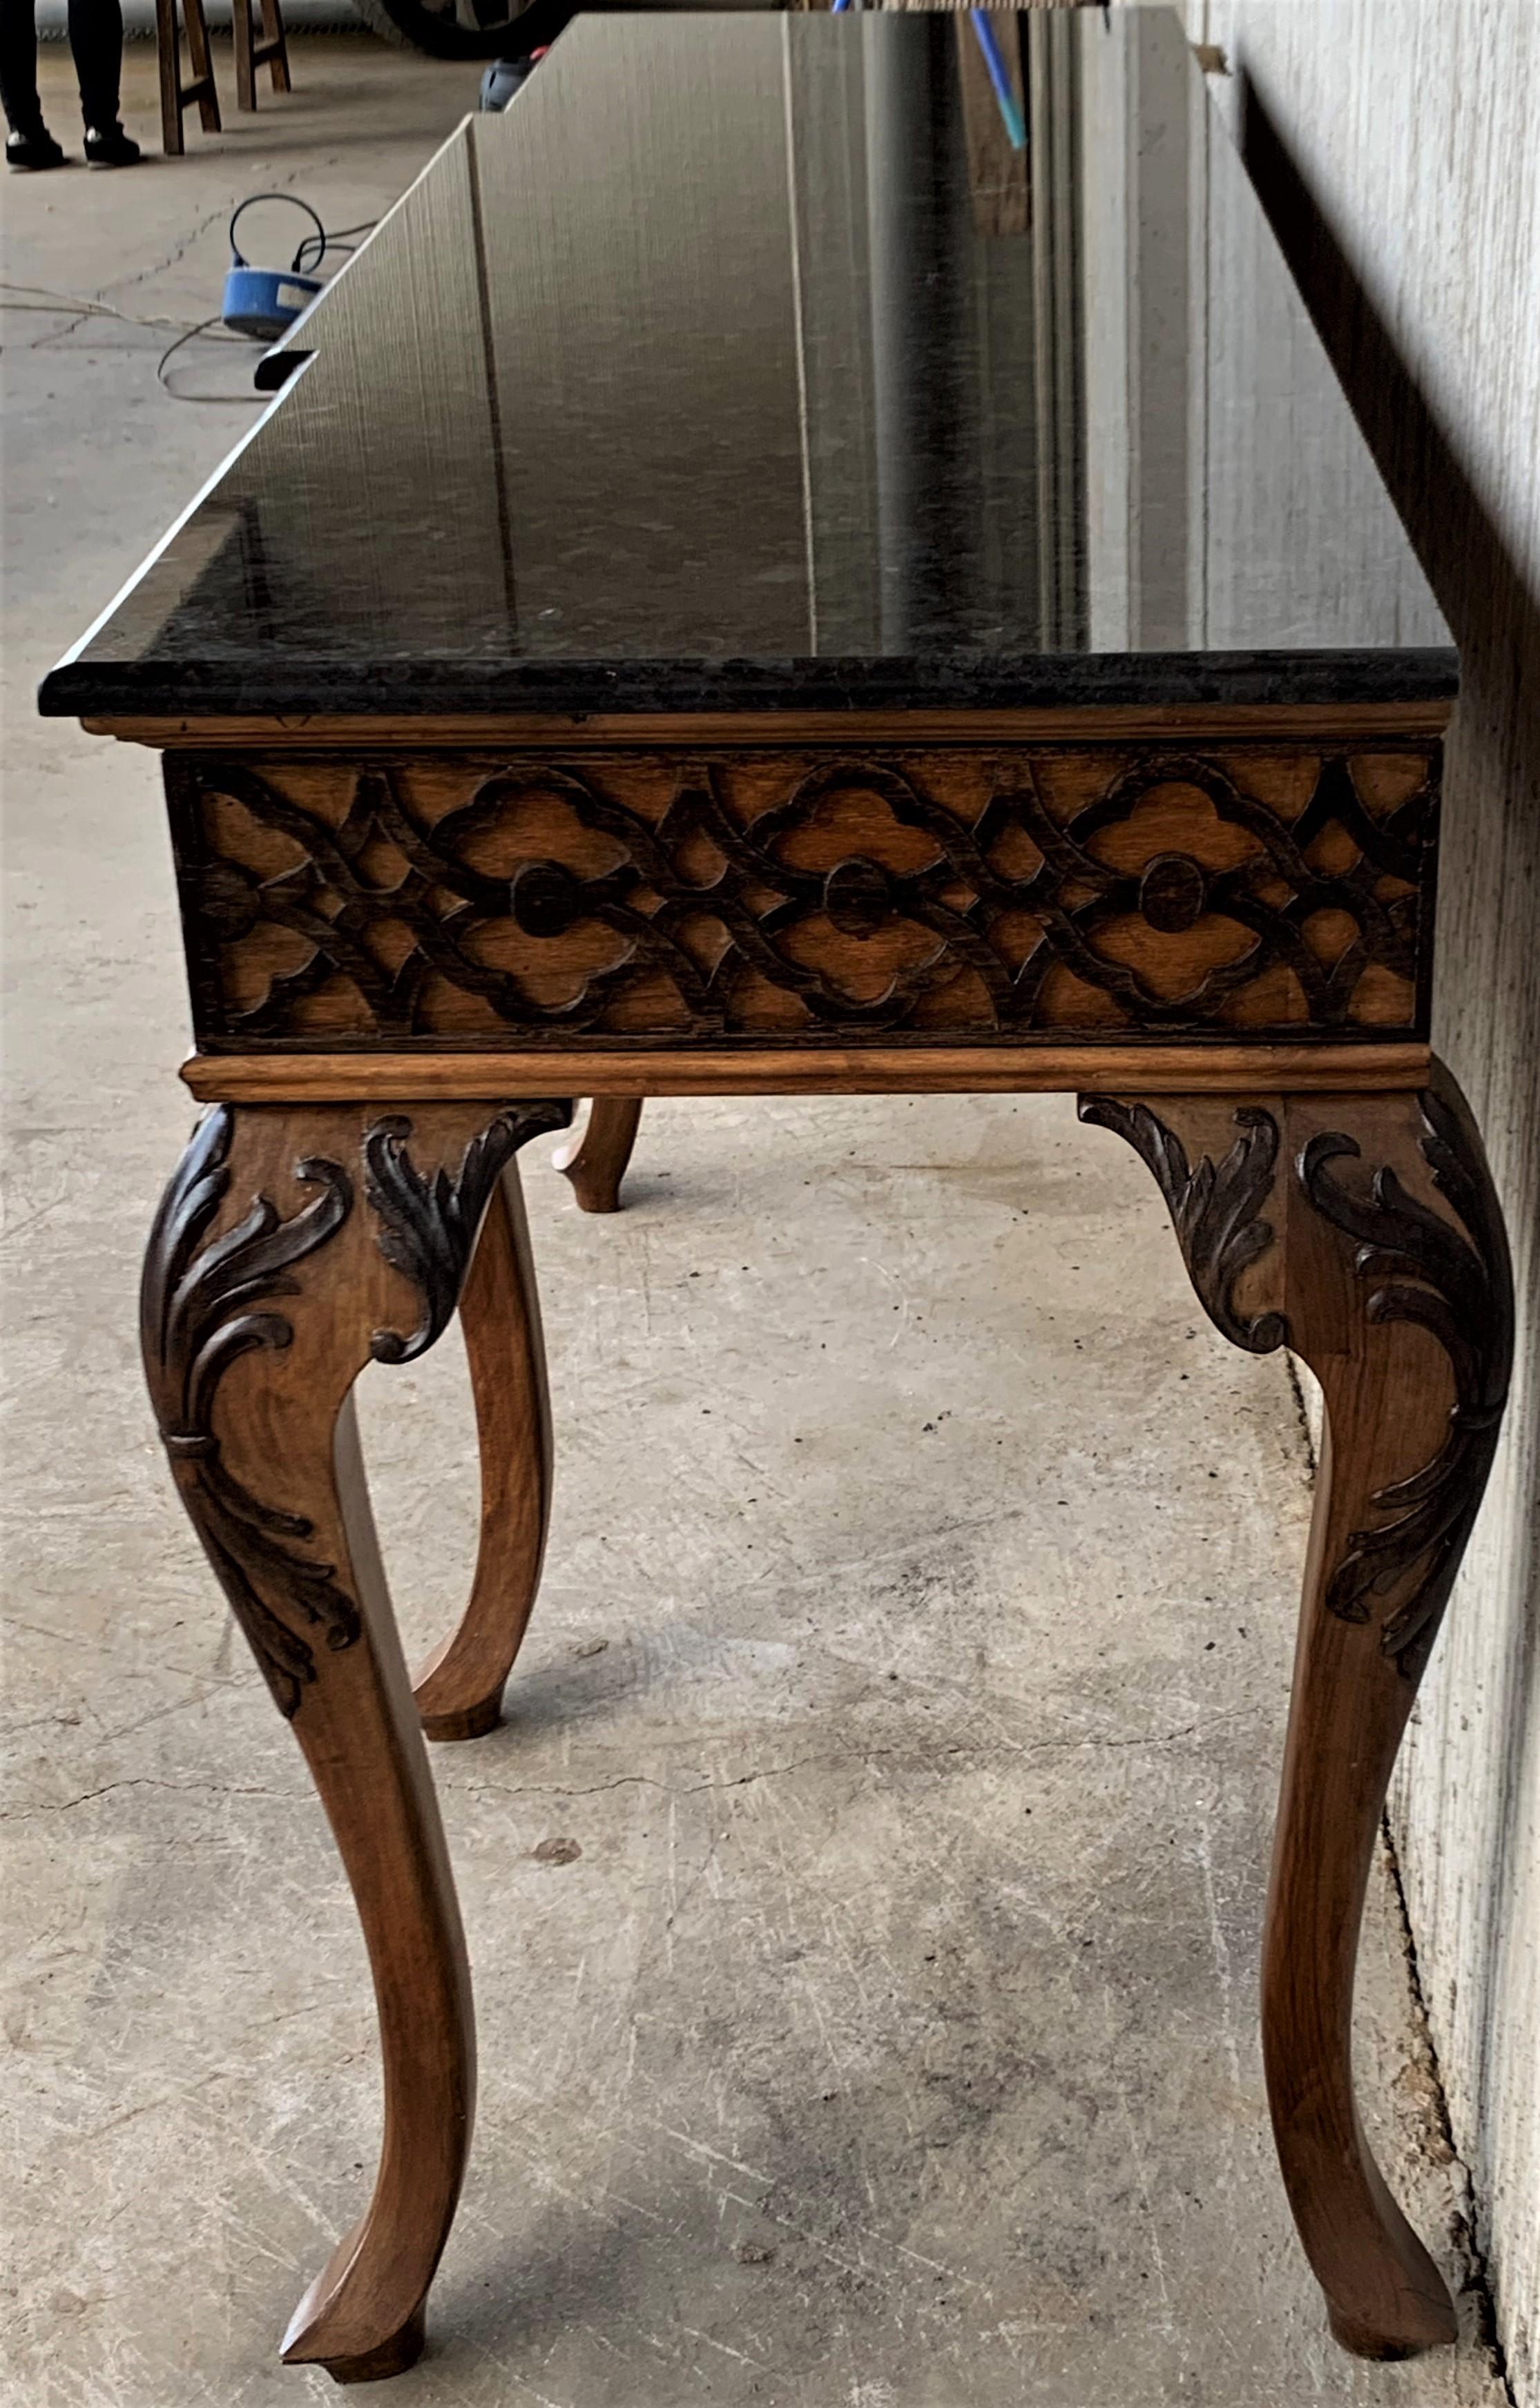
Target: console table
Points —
{"points": [[775, 573]]}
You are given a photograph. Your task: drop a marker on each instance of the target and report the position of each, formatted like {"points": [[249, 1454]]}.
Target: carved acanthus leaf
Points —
{"points": [[428, 1225], [1455, 1283], [1215, 1209], [198, 1318]]}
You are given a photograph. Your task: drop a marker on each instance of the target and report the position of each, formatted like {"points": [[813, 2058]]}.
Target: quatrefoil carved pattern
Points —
{"points": [[717, 905]]}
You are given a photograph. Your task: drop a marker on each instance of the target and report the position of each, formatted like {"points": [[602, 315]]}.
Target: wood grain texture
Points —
{"points": [[1336, 723], [459, 1686], [271, 1279], [655, 896], [201, 87], [177, 94], [270, 49], [920, 1070], [1365, 1233], [596, 1163], [1373, 134]]}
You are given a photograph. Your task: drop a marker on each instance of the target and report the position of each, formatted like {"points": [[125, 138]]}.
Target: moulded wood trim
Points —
{"points": [[758, 1070], [466, 731]]}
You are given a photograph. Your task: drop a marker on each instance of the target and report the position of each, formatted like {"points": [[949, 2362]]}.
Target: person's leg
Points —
{"points": [[19, 77], [96, 38]]}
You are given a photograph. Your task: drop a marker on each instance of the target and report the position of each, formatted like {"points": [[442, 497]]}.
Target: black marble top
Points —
{"points": [[778, 360]]}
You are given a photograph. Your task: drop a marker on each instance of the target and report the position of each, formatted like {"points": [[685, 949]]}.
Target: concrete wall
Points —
{"points": [[1395, 144]]}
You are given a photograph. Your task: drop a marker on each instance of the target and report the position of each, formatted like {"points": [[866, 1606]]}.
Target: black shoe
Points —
{"points": [[33, 150], [111, 148]]}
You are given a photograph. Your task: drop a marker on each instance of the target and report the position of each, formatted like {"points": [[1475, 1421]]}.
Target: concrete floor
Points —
{"points": [[911, 1669]]}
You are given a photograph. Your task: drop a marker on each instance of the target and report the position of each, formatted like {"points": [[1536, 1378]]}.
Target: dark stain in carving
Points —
{"points": [[198, 1316], [428, 1225], [1174, 893], [350, 917], [859, 897], [545, 898], [1214, 1208], [1458, 1284]]}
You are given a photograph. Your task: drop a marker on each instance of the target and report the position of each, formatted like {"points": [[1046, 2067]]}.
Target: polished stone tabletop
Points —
{"points": [[799, 360]]}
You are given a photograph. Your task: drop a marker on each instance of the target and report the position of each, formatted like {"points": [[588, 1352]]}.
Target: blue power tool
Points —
{"points": [[264, 302]]}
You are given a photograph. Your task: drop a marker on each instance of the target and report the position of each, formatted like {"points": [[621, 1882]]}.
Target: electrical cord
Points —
{"points": [[313, 249], [51, 304], [293, 202], [55, 304], [205, 329], [307, 265]]}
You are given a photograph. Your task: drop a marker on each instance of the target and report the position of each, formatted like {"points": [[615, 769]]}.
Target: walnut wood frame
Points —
{"points": [[1239, 889], [353, 1183]]}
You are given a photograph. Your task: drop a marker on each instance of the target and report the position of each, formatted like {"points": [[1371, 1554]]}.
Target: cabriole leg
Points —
{"points": [[459, 1688], [596, 1163], [293, 1244], [1364, 1232]]}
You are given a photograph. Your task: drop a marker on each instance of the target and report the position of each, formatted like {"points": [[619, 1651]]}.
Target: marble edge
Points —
{"points": [[78, 688]]}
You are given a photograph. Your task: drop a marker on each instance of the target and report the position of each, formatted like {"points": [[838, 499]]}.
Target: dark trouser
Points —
{"points": [[96, 38]]}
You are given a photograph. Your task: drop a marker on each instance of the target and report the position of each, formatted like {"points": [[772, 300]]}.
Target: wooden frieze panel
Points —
{"points": [[943, 894]]}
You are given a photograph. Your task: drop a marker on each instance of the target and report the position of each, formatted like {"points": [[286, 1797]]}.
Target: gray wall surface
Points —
{"points": [[1395, 144]]}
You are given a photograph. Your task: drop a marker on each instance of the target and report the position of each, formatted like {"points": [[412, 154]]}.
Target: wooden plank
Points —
{"points": [[1040, 1070], [1115, 721]]}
